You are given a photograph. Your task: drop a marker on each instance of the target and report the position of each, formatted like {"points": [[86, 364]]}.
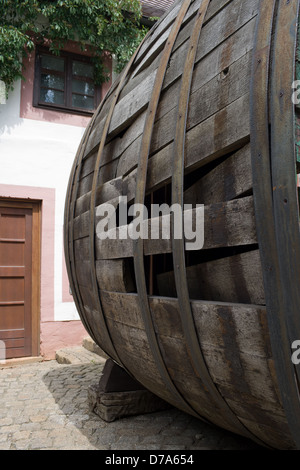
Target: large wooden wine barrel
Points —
{"points": [[202, 114]]}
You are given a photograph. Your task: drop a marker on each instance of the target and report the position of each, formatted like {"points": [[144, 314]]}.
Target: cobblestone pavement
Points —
{"points": [[45, 406]]}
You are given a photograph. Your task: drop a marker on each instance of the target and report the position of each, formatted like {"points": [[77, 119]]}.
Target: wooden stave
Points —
{"points": [[260, 432]]}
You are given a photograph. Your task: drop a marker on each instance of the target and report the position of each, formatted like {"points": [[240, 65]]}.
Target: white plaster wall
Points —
{"points": [[40, 154]]}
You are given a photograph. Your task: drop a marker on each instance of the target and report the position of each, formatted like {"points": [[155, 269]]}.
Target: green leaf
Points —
{"points": [[100, 23]]}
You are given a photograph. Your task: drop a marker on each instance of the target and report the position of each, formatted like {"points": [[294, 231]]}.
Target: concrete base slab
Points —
{"points": [[78, 355], [91, 346]]}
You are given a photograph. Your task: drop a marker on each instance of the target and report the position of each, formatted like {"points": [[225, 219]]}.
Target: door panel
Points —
{"points": [[9, 250], [16, 281]]}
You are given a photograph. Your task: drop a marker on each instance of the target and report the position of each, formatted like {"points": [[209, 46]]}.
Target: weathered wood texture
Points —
{"points": [[225, 278]]}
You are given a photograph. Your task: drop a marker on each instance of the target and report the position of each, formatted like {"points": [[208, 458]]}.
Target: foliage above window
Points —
{"points": [[103, 25]]}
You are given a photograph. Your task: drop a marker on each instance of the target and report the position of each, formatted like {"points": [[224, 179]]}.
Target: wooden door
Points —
{"points": [[16, 280]]}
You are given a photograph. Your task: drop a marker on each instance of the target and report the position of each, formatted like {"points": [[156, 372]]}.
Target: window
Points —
{"points": [[65, 83]]}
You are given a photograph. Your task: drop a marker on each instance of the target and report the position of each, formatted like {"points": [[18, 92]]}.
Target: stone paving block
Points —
{"points": [[21, 435]]}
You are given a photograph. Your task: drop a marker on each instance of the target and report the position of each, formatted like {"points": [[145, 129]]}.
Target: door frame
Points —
{"points": [[36, 206]]}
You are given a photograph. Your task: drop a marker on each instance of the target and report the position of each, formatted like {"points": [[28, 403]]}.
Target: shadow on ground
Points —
{"points": [[166, 430]]}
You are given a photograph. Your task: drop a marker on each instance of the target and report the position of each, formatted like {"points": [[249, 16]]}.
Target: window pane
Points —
{"points": [[86, 88], [52, 81], [52, 96], [82, 69], [53, 63], [85, 102]]}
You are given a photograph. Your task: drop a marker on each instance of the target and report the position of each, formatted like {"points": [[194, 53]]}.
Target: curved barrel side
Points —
{"points": [[187, 123]]}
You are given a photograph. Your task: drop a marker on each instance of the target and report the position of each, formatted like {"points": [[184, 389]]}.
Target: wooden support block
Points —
{"points": [[118, 395], [115, 379]]}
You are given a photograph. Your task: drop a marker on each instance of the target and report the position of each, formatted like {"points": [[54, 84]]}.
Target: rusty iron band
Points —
{"points": [[262, 160], [69, 216], [178, 245], [139, 266], [108, 343], [286, 211]]}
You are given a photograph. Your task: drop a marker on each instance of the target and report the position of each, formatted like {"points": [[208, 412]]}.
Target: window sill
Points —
{"points": [[58, 109]]}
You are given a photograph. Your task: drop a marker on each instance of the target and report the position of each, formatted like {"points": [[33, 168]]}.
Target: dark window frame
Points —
{"points": [[69, 57]]}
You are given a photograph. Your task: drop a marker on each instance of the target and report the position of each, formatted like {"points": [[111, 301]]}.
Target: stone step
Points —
{"points": [[78, 355], [91, 346]]}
